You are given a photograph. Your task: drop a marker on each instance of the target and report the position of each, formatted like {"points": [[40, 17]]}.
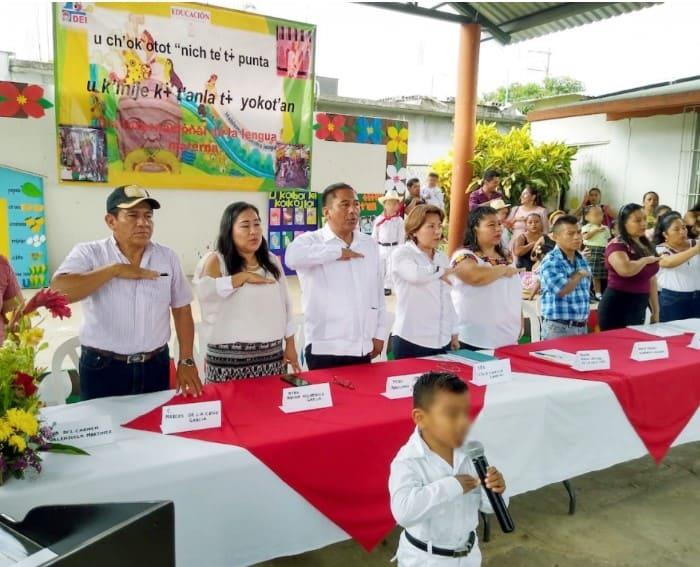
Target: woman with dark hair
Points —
{"points": [[246, 309], [524, 246], [594, 198], [631, 265], [650, 201], [530, 203], [679, 273], [486, 293], [426, 322]]}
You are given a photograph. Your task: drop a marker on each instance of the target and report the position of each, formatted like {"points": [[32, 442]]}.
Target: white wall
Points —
{"points": [[625, 158], [187, 222]]}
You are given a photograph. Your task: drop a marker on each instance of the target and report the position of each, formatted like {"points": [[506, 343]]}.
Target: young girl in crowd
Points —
{"points": [[530, 202], [595, 238], [531, 280], [524, 244]]}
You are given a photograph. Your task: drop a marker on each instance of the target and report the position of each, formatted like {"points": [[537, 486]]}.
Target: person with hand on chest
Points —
{"points": [[129, 285], [388, 231], [340, 274]]}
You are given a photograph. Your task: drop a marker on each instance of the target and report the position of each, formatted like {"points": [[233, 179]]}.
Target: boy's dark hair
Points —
{"points": [[331, 190], [433, 174], [430, 383], [411, 182], [489, 174], [565, 219]]}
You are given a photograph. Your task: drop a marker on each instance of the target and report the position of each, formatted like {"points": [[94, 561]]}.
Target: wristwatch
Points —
{"points": [[186, 362]]}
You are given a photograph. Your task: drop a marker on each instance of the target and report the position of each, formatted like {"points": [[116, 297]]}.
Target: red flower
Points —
{"points": [[55, 302], [21, 103], [330, 127], [25, 382]]}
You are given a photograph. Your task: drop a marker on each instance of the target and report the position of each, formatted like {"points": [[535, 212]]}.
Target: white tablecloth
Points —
{"points": [[232, 510]]}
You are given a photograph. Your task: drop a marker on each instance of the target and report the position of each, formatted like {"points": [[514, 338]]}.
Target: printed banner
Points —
{"points": [[22, 231], [290, 214], [182, 95], [370, 209]]}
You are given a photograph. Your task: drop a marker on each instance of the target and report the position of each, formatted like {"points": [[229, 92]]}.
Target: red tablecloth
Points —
{"points": [[337, 458], [658, 397]]}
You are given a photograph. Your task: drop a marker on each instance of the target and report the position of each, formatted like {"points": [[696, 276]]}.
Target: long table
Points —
{"points": [[232, 510]]}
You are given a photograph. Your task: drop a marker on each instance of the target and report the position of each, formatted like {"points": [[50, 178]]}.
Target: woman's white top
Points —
{"points": [[489, 315], [251, 313], [425, 314], [683, 278]]}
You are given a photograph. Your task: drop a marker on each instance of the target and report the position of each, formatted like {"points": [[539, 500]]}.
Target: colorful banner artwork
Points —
{"points": [[22, 100], [370, 209], [290, 214], [22, 231], [366, 130], [182, 95]]}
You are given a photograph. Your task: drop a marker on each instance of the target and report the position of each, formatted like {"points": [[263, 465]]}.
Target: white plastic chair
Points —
{"points": [[531, 311], [56, 386]]}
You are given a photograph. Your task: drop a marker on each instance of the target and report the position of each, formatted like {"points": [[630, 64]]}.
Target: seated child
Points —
{"points": [[434, 488], [530, 281], [595, 238]]}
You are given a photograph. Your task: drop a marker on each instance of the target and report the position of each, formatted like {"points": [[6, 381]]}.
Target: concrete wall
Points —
{"points": [[625, 158]]}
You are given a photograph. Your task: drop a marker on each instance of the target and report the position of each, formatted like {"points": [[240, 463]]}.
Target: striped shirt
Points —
{"points": [[128, 316], [555, 271]]}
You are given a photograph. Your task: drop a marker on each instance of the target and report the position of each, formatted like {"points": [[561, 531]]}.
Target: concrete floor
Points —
{"points": [[634, 514]]}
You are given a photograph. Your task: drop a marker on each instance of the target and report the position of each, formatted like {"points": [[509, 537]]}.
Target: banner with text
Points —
{"points": [[182, 95], [290, 214]]}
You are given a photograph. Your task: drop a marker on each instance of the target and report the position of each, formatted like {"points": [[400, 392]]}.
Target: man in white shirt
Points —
{"points": [[341, 282], [129, 285], [432, 194], [434, 488]]}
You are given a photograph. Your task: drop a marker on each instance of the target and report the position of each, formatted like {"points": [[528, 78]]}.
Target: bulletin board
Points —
{"points": [[22, 230], [290, 214]]}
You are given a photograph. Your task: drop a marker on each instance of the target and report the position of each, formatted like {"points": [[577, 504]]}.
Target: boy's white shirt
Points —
{"points": [[389, 231], [429, 502], [433, 196]]}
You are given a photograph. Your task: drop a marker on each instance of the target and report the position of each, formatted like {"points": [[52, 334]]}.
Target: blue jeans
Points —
{"points": [[101, 376], [678, 305], [555, 330]]}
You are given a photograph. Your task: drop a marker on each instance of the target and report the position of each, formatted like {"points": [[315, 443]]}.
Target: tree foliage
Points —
{"points": [[516, 92]]}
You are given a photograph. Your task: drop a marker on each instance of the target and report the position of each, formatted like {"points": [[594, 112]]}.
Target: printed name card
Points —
{"points": [[492, 372], [649, 350], [304, 398], [695, 342], [191, 417], [398, 387], [587, 360], [83, 433]]}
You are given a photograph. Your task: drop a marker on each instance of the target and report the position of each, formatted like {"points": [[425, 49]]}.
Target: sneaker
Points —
{"points": [[598, 296], [387, 291]]}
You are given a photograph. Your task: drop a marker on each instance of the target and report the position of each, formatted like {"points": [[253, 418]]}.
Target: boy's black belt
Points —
{"points": [[138, 358], [388, 243], [569, 323], [442, 551]]}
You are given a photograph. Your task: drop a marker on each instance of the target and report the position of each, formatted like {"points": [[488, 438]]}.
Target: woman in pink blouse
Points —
{"points": [[9, 290], [530, 203]]}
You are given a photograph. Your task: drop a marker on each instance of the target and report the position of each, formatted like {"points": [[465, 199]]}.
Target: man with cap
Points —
{"points": [[389, 233], [129, 285]]}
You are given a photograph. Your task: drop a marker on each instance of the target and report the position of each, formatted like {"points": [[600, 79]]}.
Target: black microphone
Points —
{"points": [[475, 450]]}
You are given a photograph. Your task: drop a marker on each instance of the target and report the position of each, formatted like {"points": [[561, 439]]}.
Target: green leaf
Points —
{"points": [[31, 190], [65, 449], [45, 103]]}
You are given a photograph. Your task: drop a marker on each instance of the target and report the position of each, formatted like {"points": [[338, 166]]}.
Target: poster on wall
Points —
{"points": [[370, 209], [290, 213], [22, 230], [182, 95]]}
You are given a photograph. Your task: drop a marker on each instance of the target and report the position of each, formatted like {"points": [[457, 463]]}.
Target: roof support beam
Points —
{"points": [[564, 10], [472, 12], [415, 10]]}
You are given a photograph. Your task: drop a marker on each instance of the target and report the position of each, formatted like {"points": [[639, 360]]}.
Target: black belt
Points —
{"points": [[138, 358], [388, 243], [442, 551], [569, 323]]}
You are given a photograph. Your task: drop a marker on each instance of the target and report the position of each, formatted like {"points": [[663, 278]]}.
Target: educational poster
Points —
{"points": [[370, 209], [290, 214], [182, 95], [22, 230]]}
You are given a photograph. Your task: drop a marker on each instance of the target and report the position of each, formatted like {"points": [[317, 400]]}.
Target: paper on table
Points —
{"points": [[555, 355], [658, 329], [398, 387]]}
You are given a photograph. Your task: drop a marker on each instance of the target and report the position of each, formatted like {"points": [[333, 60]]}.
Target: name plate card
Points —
{"points": [[649, 350], [587, 360], [492, 372], [82, 433], [304, 398], [191, 417], [398, 387], [695, 342]]}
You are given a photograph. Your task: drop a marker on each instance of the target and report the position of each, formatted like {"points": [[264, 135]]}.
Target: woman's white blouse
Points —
{"points": [[425, 315], [249, 314], [683, 278]]}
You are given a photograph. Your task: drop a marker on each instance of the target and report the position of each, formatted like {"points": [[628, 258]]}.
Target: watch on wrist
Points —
{"points": [[186, 362]]}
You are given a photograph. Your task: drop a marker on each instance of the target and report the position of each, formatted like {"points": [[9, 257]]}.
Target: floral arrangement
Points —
{"points": [[22, 436]]}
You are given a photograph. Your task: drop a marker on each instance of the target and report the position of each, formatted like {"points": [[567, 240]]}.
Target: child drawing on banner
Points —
{"points": [[595, 238], [435, 491], [389, 233]]}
